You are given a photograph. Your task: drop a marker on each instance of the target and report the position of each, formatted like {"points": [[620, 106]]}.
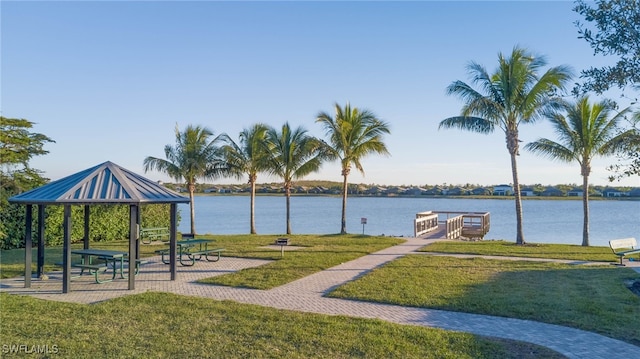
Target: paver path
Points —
{"points": [[306, 295]]}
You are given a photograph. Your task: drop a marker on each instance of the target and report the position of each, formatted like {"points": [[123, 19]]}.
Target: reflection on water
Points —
{"points": [[545, 221]]}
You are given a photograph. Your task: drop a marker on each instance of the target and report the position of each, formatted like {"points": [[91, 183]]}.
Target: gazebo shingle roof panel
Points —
{"points": [[104, 183]]}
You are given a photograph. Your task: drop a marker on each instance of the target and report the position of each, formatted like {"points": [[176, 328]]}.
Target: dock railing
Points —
{"points": [[472, 225], [425, 222]]}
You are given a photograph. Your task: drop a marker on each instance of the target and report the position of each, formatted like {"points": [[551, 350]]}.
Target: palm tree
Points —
{"points": [[587, 131], [249, 158], [514, 94], [353, 134], [292, 154], [194, 156]]}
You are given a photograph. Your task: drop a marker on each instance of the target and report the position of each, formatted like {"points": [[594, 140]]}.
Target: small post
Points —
{"points": [[363, 220]]}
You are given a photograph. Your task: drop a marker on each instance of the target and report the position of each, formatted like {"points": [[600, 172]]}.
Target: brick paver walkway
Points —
{"points": [[306, 295]]}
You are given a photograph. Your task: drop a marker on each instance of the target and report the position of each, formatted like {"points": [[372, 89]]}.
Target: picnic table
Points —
{"points": [[191, 250], [150, 234], [98, 261]]}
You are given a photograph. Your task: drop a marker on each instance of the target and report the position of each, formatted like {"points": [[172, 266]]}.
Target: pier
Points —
{"points": [[452, 225]]}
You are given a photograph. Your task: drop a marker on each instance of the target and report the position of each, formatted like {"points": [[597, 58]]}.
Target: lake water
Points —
{"points": [[545, 221]]}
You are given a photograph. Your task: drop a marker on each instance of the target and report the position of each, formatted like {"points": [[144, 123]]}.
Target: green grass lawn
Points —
{"points": [[585, 297], [593, 298], [318, 252], [163, 325], [531, 250]]}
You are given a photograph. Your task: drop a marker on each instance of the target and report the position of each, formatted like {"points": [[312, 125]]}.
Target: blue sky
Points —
{"points": [[110, 80]]}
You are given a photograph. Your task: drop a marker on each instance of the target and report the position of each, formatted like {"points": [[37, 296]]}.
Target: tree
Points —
{"points": [[18, 145], [629, 152], [352, 134], [194, 156], [514, 94], [249, 158], [587, 131], [617, 26], [292, 155]]}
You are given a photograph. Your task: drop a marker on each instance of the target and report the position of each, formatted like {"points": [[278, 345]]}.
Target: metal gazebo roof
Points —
{"points": [[106, 183]]}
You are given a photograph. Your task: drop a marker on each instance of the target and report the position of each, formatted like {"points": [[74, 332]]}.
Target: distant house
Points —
{"points": [[457, 192], [635, 192], [375, 190], [435, 191], [527, 192], [612, 192], [481, 191], [413, 191], [394, 190], [552, 192], [503, 190], [576, 192]]}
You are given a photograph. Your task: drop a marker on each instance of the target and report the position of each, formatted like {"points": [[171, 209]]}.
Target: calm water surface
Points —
{"points": [[545, 221]]}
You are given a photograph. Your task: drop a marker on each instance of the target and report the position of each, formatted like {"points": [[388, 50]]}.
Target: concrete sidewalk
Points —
{"points": [[307, 295]]}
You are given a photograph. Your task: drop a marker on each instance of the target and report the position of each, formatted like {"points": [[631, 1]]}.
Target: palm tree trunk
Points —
{"points": [[585, 207], [287, 193], [343, 226], [253, 207], [192, 207], [518, 196]]}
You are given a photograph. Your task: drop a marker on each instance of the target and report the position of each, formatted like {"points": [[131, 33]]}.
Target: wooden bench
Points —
{"points": [[624, 247], [148, 235]]}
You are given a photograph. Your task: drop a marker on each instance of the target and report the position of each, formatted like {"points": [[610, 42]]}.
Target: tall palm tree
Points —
{"points": [[195, 155], [249, 158], [292, 155], [514, 94], [353, 134], [587, 131]]}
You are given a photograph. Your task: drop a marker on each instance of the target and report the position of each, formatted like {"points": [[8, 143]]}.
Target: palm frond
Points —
{"points": [[472, 124]]}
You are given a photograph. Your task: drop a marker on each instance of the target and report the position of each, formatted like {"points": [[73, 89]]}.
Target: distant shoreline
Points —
{"points": [[511, 197]]}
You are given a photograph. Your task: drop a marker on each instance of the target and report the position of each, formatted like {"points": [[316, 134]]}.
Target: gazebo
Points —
{"points": [[106, 183]]}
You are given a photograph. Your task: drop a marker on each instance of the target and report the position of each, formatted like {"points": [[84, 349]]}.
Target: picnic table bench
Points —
{"points": [[191, 250], [624, 247], [108, 259], [150, 234]]}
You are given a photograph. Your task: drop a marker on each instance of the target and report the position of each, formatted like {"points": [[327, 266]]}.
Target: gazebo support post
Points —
{"points": [[40, 269], [27, 247], [172, 239], [137, 231], [133, 225], [66, 250], [86, 226]]}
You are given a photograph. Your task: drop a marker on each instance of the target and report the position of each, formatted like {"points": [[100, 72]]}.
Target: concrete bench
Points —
{"points": [[624, 247]]}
